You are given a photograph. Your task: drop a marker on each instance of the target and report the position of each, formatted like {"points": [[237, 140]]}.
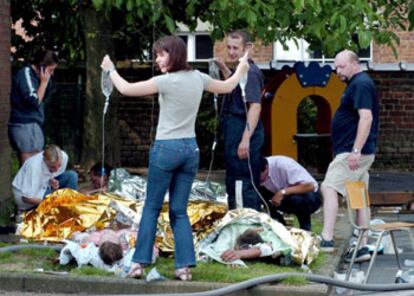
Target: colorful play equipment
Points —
{"points": [[282, 96]]}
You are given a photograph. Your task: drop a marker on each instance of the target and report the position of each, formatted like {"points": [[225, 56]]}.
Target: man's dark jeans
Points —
{"points": [[236, 169], [301, 205]]}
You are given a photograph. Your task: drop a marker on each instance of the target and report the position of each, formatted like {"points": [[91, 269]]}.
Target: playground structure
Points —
{"points": [[283, 95]]}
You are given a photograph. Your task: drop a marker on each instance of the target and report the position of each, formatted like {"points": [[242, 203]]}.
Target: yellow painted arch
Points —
{"points": [[284, 109]]}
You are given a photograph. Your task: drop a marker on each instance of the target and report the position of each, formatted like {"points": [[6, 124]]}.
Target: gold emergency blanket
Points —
{"points": [[202, 214], [66, 211]]}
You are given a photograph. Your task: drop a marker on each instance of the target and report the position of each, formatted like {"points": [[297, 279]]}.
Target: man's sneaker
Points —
{"points": [[361, 256], [371, 249], [327, 246]]}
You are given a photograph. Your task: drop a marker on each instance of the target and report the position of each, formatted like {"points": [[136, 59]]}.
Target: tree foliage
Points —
{"points": [[328, 25]]}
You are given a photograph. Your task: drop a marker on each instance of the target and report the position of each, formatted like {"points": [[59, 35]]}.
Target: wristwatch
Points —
{"points": [[355, 150], [283, 191]]}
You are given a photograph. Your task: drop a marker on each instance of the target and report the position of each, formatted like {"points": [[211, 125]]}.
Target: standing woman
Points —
{"points": [[174, 155], [30, 86]]}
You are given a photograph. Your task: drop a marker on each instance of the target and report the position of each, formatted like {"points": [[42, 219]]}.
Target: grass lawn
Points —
{"points": [[31, 260]]}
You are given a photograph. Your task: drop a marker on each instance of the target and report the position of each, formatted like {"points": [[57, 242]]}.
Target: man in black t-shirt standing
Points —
{"points": [[354, 137]]}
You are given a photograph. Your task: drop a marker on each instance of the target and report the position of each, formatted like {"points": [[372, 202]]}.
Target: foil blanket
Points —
{"points": [[66, 211]]}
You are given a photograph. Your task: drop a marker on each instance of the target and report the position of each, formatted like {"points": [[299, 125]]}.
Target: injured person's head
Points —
{"points": [[248, 238], [110, 252]]}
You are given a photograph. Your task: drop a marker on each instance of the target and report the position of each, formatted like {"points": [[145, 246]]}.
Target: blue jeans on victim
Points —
{"points": [[173, 165]]}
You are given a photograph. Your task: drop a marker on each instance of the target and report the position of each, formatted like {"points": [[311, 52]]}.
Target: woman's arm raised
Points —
{"points": [[226, 86], [141, 88]]}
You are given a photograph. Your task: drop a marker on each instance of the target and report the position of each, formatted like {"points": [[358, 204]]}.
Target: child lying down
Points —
{"points": [[113, 244]]}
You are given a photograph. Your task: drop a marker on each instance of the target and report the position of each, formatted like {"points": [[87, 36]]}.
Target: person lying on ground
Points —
{"points": [[112, 243], [249, 245], [99, 178]]}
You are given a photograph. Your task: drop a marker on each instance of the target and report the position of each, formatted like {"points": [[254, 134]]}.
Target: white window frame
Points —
{"points": [[301, 54], [191, 45]]}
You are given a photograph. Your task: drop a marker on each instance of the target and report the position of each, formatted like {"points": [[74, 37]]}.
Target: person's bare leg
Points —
{"points": [[330, 211], [363, 219]]}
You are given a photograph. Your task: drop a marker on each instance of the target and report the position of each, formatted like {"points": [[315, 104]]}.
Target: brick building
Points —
{"points": [[394, 78], [137, 118]]}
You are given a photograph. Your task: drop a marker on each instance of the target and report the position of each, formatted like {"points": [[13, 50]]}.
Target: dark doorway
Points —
{"points": [[313, 134]]}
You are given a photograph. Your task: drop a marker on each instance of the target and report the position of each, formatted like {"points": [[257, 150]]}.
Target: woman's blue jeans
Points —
{"points": [[173, 165]]}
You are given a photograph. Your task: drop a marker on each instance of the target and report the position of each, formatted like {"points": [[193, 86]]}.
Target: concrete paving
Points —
{"points": [[385, 267]]}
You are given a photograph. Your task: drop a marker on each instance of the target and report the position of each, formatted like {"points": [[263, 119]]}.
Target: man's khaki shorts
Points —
{"points": [[339, 172]]}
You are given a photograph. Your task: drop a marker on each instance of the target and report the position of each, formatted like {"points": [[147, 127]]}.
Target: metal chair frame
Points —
{"points": [[357, 198]]}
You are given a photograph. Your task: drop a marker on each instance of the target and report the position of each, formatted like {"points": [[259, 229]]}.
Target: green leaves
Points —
{"points": [[299, 5], [364, 38], [342, 24], [411, 15], [97, 4], [170, 23], [328, 25]]}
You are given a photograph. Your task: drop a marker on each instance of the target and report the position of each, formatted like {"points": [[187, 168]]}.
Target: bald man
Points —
{"points": [[354, 137]]}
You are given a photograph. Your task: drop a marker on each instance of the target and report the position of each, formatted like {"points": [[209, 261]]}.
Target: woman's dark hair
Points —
{"points": [[176, 48], [45, 57], [96, 169]]}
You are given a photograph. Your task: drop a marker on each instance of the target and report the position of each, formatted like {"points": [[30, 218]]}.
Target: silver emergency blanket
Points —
{"points": [[134, 187], [126, 185]]}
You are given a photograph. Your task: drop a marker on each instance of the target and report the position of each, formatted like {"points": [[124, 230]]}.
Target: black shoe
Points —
{"points": [[361, 256], [327, 246]]}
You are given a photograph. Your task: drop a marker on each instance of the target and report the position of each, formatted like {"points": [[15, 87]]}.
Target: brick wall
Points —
{"points": [[396, 130], [383, 54], [380, 54], [137, 116], [137, 124], [5, 73], [260, 53]]}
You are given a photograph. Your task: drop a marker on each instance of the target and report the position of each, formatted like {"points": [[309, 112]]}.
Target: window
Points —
{"points": [[363, 54], [295, 52], [185, 38], [199, 46], [203, 47], [301, 52]]}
